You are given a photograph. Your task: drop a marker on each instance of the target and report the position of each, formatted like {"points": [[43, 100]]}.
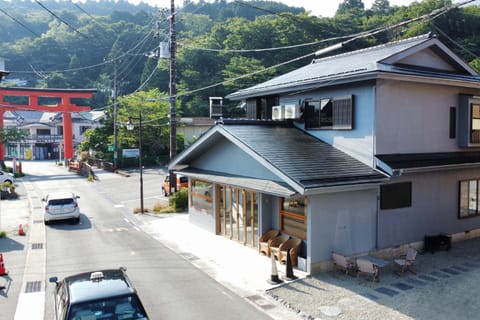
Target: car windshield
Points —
{"points": [[117, 308], [60, 202]]}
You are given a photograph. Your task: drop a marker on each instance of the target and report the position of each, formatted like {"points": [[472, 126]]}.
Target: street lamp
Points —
{"points": [[130, 127]]}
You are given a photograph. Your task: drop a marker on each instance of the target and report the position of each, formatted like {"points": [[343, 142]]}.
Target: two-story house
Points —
{"points": [[43, 133], [367, 150]]}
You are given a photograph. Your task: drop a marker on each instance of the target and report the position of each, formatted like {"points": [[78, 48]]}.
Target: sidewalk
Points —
{"points": [[14, 250], [227, 261], [445, 286], [239, 268]]}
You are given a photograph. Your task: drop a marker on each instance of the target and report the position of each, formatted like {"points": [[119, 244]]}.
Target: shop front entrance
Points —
{"points": [[237, 214]]}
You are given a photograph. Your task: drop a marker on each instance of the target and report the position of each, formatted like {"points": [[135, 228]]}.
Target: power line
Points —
{"points": [[19, 22], [92, 17], [432, 15], [60, 19], [254, 50], [455, 42]]}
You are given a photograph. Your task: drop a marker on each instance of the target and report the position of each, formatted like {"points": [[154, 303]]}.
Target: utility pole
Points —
{"points": [[173, 95], [115, 111]]}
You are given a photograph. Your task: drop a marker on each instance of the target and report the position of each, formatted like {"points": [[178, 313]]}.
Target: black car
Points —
{"points": [[105, 294]]}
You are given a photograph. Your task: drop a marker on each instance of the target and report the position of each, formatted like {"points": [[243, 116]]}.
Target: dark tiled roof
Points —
{"points": [[424, 160], [303, 158]]}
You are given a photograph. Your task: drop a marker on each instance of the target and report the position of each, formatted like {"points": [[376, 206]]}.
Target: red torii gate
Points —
{"points": [[64, 104]]}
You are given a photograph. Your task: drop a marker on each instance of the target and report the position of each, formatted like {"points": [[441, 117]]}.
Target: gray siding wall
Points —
{"points": [[434, 209], [415, 117], [228, 158], [266, 215], [343, 222]]}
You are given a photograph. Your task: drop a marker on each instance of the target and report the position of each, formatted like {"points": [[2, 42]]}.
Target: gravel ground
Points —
{"points": [[446, 286]]}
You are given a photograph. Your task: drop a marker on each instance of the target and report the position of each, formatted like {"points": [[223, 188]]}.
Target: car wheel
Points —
{"points": [[46, 222]]}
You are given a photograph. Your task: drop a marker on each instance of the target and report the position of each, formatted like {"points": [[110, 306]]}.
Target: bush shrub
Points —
{"points": [[179, 200], [83, 156]]}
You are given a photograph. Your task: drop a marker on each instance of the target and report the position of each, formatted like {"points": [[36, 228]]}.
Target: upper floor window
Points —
{"points": [[261, 108], [83, 129], [44, 132], [475, 123], [469, 121], [329, 113]]}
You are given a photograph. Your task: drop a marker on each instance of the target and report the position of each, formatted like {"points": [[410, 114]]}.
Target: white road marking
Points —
{"points": [[30, 306]]}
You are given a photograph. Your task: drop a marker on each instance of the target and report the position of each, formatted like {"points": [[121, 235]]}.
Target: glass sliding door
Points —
{"points": [[237, 214]]}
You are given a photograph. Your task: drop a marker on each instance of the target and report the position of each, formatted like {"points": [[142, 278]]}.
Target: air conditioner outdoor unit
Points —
{"points": [[292, 111], [278, 112]]}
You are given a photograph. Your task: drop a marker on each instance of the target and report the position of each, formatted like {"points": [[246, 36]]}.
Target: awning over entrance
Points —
{"points": [[264, 186]]}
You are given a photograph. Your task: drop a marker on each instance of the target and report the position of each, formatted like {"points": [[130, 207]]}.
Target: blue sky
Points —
{"points": [[324, 8]]}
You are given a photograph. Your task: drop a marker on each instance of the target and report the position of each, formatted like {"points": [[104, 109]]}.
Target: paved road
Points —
{"points": [[108, 236]]}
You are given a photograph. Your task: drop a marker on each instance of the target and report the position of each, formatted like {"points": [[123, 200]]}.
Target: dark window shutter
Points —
{"points": [[343, 112]]}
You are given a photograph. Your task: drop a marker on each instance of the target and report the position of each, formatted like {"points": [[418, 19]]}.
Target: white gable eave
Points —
{"points": [[436, 79], [433, 45], [200, 146]]}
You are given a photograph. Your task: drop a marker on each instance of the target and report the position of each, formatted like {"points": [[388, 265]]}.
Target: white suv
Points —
{"points": [[60, 206], [6, 177]]}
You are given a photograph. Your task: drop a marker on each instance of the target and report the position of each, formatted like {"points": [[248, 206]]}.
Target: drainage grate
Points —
{"points": [[37, 245], [387, 291], [402, 286], [33, 286]]}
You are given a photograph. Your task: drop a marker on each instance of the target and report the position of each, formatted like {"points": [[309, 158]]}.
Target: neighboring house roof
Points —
{"points": [[92, 115], [364, 64], [300, 160], [395, 163], [198, 121], [45, 117]]}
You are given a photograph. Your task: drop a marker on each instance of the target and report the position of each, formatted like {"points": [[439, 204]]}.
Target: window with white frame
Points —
{"points": [[329, 113], [469, 121]]}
